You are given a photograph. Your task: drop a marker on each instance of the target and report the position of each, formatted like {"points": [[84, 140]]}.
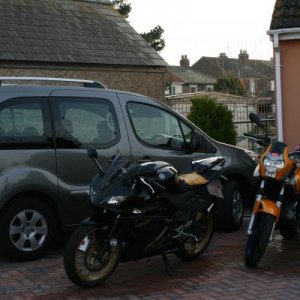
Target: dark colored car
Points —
{"points": [[45, 171]]}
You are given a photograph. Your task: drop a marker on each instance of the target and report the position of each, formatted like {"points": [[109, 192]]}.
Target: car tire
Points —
{"points": [[27, 226], [229, 212]]}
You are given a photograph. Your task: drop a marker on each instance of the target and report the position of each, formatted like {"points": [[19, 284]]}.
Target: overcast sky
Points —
{"points": [[199, 28]]}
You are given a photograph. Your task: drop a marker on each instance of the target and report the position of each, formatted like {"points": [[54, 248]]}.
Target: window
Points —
{"points": [[25, 122], [157, 127], [80, 122], [193, 88], [209, 88]]}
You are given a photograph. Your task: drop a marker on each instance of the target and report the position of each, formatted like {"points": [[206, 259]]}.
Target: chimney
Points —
{"points": [[223, 55], [243, 57], [184, 62]]}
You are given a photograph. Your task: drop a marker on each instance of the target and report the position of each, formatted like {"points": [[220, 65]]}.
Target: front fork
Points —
{"points": [[110, 241], [266, 206]]}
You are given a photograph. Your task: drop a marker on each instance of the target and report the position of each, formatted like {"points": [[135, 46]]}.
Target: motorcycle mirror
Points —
{"points": [[92, 153], [255, 119]]}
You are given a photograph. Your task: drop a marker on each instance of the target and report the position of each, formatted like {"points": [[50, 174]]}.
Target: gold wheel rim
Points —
{"points": [[86, 261], [207, 227]]}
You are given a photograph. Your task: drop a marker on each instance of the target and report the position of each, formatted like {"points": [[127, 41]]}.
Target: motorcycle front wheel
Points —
{"points": [[202, 228], [89, 260], [257, 242]]}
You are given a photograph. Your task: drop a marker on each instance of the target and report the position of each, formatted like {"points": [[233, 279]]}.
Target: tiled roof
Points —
{"points": [[286, 14], [71, 31], [218, 66], [190, 76]]}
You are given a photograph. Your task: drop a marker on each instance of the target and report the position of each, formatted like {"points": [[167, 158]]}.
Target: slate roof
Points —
{"points": [[286, 14], [190, 76], [71, 31], [217, 66]]}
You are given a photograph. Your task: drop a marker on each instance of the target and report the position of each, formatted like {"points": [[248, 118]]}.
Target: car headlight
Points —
{"points": [[252, 154]]}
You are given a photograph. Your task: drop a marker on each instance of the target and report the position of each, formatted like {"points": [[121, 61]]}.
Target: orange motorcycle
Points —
{"points": [[277, 200]]}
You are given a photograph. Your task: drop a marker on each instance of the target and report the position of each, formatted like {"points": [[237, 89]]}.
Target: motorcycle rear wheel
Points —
{"points": [[257, 242], [203, 229], [82, 263]]}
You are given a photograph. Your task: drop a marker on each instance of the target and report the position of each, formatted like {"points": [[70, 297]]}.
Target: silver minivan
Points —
{"points": [[45, 171]]}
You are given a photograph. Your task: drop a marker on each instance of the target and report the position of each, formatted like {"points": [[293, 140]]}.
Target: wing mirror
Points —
{"points": [[92, 154]]}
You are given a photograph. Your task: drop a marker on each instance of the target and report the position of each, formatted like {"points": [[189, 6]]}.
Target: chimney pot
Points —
{"points": [[184, 62]]}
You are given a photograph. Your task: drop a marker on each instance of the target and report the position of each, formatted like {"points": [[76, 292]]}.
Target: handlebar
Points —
{"points": [[264, 141], [253, 136]]}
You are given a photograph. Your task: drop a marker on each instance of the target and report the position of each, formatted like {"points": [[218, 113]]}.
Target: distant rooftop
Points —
{"points": [[184, 75], [243, 66]]}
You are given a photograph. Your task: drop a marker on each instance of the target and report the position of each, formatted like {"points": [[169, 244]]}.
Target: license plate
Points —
{"points": [[84, 244], [215, 188]]}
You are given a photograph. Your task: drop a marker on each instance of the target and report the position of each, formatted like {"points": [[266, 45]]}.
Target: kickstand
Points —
{"points": [[166, 263]]}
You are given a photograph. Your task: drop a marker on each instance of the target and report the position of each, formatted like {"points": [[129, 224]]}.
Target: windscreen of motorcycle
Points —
{"points": [[114, 182]]}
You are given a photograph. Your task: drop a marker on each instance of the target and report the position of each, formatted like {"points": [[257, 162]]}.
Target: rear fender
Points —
{"points": [[266, 206]]}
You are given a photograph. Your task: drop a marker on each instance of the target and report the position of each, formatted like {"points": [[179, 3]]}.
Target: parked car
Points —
{"points": [[45, 171]]}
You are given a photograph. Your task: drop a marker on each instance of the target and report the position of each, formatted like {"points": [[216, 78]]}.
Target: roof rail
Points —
{"points": [[86, 83]]}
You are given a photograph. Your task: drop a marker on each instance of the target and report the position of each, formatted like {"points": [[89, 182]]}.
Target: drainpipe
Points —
{"points": [[278, 87], [276, 35]]}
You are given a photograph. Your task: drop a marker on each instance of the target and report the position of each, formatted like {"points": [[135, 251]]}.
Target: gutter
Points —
{"points": [[277, 35]]}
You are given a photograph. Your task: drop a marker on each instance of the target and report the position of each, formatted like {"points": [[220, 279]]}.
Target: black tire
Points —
{"points": [[27, 227], [256, 243], [287, 229], [203, 229], [82, 265], [229, 212]]}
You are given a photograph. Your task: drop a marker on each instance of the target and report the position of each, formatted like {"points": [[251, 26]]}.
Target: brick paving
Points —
{"points": [[218, 274]]}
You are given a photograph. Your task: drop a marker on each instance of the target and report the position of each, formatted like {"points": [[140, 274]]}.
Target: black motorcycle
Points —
{"points": [[142, 210]]}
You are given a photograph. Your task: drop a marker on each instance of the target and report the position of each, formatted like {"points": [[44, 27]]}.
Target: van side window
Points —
{"points": [[25, 122], [157, 127], [80, 122]]}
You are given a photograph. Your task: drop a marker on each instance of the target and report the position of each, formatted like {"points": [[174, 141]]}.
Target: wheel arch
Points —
{"points": [[43, 197], [246, 188]]}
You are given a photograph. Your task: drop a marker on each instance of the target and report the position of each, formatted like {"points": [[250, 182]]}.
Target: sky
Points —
{"points": [[199, 28]]}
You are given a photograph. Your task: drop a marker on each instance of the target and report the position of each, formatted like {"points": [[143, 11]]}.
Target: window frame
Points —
{"points": [[48, 142], [64, 144], [179, 121]]}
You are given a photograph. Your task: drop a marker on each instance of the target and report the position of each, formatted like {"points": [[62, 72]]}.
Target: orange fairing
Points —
{"points": [[280, 173], [289, 164], [266, 206]]}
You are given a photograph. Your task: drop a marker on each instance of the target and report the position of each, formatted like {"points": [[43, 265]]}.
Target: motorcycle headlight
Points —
{"points": [[272, 166], [267, 162], [115, 200], [279, 164]]}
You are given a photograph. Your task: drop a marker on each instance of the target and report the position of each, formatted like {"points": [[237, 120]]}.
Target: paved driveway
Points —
{"points": [[218, 274]]}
